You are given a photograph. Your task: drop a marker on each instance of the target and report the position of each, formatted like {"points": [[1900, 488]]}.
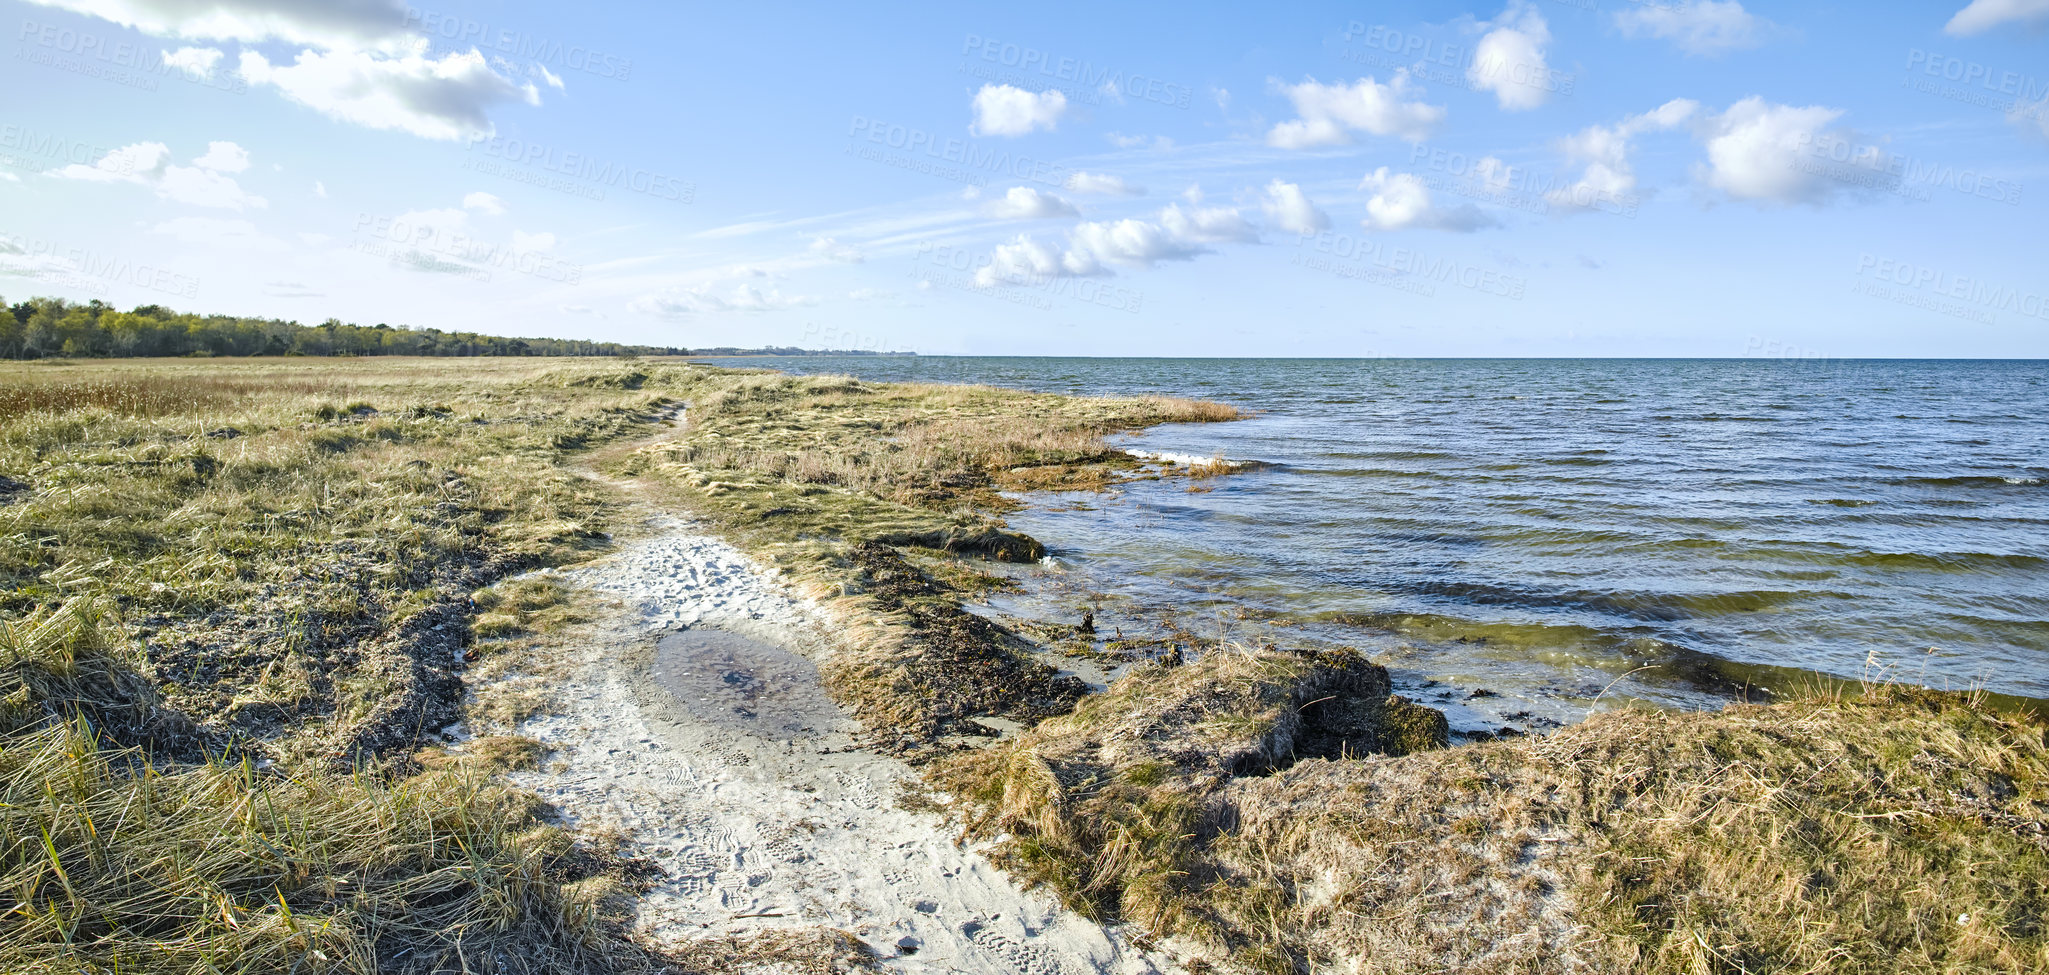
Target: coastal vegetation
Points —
{"points": [[41, 327], [243, 598]]}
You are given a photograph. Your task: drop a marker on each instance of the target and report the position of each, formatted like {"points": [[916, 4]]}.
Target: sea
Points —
{"points": [[1523, 542]]}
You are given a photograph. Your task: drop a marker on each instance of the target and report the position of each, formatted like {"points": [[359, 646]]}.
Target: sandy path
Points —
{"points": [[722, 760]]}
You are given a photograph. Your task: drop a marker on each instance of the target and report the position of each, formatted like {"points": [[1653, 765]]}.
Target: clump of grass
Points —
{"points": [[1115, 805], [117, 865], [526, 605], [61, 662], [1897, 831]]}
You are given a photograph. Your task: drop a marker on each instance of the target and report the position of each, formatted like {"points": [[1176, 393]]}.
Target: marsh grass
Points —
{"points": [[237, 599], [113, 863]]}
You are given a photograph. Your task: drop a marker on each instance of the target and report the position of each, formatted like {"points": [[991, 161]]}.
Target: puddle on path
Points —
{"points": [[742, 684]]}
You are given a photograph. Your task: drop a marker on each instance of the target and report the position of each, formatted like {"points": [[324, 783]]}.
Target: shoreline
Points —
{"points": [[727, 711]]}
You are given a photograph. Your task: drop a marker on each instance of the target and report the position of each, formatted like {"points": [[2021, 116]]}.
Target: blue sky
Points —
{"points": [[1597, 177]]}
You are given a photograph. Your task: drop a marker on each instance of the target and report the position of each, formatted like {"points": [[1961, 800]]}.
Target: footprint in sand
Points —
{"points": [[1024, 958]]}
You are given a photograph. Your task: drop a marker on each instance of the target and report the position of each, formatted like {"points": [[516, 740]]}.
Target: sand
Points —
{"points": [[691, 722]]}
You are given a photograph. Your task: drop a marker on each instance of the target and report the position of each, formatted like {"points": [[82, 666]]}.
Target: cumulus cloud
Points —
{"points": [[148, 164], [1983, 15], [223, 157], [534, 243], [1175, 234], [326, 24], [1290, 209], [1331, 114], [1609, 180], [194, 60], [361, 63], [743, 297], [1085, 182], [1024, 259], [1009, 110], [434, 98], [1026, 203], [1509, 60], [1698, 26], [483, 202], [833, 250], [1758, 151], [1401, 201]]}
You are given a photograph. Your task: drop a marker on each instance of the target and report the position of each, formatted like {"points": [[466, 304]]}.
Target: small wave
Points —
{"points": [[1185, 460], [1968, 481]]}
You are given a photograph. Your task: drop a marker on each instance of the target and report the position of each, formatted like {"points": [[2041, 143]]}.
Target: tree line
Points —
{"points": [[42, 327]]}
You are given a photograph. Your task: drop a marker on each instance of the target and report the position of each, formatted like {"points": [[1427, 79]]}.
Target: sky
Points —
{"points": [[1528, 178]]}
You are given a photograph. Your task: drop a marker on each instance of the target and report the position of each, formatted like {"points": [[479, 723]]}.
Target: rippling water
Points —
{"points": [[1552, 532]]}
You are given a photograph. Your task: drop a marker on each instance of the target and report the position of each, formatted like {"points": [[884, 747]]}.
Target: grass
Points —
{"points": [[235, 602]]}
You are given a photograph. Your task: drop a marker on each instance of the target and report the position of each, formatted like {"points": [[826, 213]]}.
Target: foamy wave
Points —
{"points": [[1185, 460]]}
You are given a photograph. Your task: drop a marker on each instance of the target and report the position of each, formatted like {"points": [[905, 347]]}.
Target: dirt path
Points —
{"points": [[692, 721]]}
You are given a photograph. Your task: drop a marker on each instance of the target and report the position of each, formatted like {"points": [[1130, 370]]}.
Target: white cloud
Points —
{"points": [[1085, 182], [704, 299], [483, 202], [1024, 260], [149, 164], [1509, 60], [1174, 235], [326, 24], [1292, 210], [1755, 149], [320, 189], [10, 177], [1983, 15], [535, 243], [1698, 26], [1401, 201], [1330, 114], [445, 98], [194, 60], [1026, 203], [209, 230], [223, 157], [1609, 181], [291, 289], [1008, 110], [833, 250]]}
